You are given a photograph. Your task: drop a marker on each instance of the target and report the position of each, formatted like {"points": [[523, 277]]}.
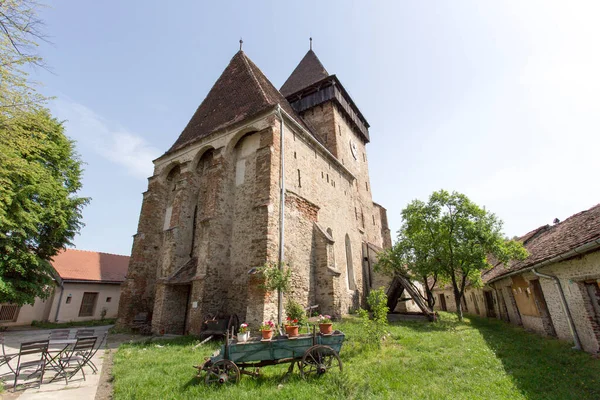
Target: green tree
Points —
{"points": [[19, 33], [40, 174], [450, 238]]}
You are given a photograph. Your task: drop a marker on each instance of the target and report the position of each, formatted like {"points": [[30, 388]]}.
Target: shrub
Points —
{"points": [[376, 328], [275, 278], [294, 311], [377, 301]]}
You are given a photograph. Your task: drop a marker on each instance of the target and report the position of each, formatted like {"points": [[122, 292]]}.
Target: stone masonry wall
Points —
{"points": [[570, 273], [217, 201], [345, 204]]}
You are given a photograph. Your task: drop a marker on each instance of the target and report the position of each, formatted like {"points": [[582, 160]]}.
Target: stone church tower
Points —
{"points": [[212, 209]]}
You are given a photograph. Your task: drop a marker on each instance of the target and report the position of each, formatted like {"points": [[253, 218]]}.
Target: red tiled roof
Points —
{"points": [[547, 241], [82, 265], [242, 91]]}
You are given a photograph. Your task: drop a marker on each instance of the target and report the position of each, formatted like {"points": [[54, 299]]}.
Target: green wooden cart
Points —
{"points": [[314, 353]]}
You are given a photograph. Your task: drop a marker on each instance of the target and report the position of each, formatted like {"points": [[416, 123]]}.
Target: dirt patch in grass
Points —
{"points": [[105, 384]]}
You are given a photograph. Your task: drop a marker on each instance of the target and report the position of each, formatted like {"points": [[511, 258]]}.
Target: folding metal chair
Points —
{"points": [[59, 342], [59, 334], [34, 354], [6, 357], [99, 344], [84, 333], [79, 354]]}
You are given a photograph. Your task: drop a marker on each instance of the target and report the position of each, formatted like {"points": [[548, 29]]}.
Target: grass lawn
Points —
{"points": [[476, 359]]}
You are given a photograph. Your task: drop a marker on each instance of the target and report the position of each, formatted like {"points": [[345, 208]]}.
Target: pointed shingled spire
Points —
{"points": [[309, 71], [242, 91]]}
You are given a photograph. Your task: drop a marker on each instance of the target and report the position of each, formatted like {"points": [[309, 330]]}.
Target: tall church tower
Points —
{"points": [[212, 210]]}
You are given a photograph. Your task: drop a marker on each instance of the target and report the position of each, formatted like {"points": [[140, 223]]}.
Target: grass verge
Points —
{"points": [[476, 359], [71, 324]]}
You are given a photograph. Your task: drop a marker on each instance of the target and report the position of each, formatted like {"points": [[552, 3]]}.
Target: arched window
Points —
{"points": [[204, 200], [349, 267], [244, 149], [172, 181]]}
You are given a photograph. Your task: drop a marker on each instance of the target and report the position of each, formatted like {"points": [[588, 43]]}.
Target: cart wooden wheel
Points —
{"points": [[319, 359], [222, 372]]}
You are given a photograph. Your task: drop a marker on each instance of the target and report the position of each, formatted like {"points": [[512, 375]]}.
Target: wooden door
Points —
{"points": [[540, 301], [88, 304], [443, 302], [489, 304]]}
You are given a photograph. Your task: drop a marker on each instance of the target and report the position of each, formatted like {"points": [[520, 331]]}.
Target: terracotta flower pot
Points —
{"points": [[291, 330], [267, 334], [326, 329]]}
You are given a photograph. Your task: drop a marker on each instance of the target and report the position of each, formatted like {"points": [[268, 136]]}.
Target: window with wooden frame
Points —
{"points": [[88, 304], [9, 312]]}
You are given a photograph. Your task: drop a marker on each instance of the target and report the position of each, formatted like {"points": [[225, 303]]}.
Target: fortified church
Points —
{"points": [[212, 211]]}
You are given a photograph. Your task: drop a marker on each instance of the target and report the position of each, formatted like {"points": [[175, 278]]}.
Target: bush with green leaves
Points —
{"points": [[295, 311], [274, 277], [375, 328]]}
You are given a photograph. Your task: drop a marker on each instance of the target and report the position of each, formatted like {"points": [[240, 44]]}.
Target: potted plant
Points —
{"points": [[243, 333], [291, 327], [325, 325], [267, 330], [295, 317]]}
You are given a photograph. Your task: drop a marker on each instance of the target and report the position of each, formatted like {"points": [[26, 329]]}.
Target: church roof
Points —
{"points": [[242, 91], [309, 71]]}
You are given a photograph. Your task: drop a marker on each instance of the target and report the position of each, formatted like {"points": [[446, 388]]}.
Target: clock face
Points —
{"points": [[354, 149]]}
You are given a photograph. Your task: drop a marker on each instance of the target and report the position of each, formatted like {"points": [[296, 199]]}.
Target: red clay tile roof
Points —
{"points": [[82, 265], [242, 91], [309, 71], [548, 242]]}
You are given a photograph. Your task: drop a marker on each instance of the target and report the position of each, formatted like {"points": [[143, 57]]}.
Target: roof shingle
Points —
{"points": [[82, 265], [547, 242], [309, 71], [242, 91]]}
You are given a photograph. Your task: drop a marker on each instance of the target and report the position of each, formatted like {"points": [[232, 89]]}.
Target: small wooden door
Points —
{"points": [[443, 302], [474, 297], [88, 303], [489, 304], [540, 301]]}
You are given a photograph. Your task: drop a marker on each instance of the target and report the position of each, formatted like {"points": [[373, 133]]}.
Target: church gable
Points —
{"points": [[241, 92]]}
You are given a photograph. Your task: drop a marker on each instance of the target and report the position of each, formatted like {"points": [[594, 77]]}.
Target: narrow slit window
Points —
{"points": [[299, 179]]}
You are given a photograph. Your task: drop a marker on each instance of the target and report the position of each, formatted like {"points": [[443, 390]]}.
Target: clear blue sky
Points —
{"points": [[498, 100]]}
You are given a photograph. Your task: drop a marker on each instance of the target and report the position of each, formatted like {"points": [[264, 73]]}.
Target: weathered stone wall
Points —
{"points": [[137, 292], [571, 273], [217, 202], [192, 212], [344, 201], [385, 229]]}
